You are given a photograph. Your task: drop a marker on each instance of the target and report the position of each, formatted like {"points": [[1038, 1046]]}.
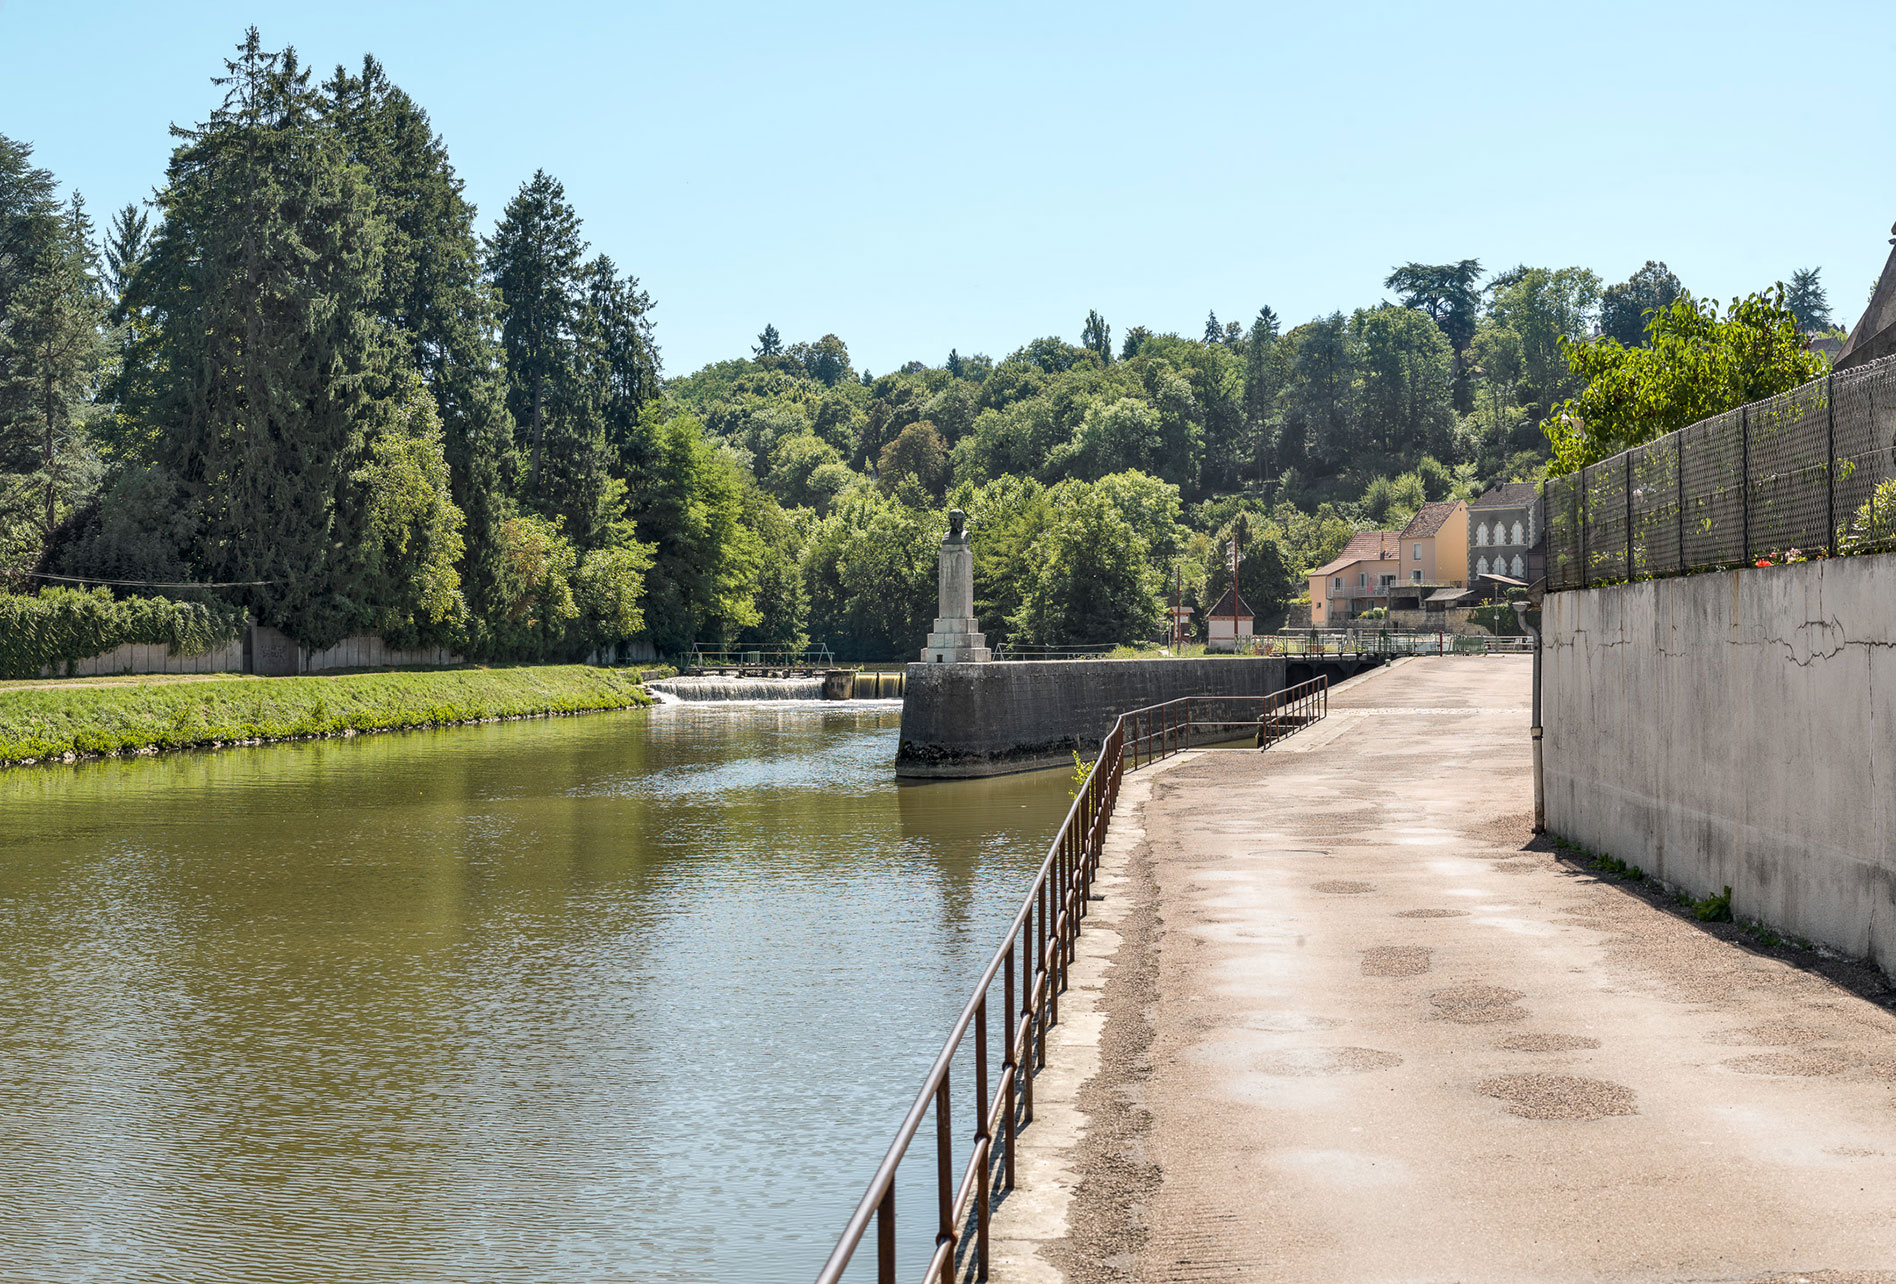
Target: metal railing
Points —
{"points": [[1042, 935], [1349, 642], [750, 657], [1790, 476], [1080, 651]]}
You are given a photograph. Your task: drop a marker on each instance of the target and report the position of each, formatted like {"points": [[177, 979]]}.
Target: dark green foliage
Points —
{"points": [[51, 352], [125, 246], [124, 718], [60, 626], [769, 342], [266, 363], [1696, 364], [534, 261], [1093, 579], [432, 297], [1713, 909], [1626, 308], [1445, 293], [1808, 301], [1097, 337]]}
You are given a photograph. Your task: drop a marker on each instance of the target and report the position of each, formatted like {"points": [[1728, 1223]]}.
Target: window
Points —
{"points": [[1481, 535], [1415, 577], [1481, 567], [1362, 580], [1385, 581], [1517, 535], [1337, 582], [1520, 567], [1418, 552]]}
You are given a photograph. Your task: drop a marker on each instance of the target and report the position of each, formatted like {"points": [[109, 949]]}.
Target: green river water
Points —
{"points": [[635, 996]]}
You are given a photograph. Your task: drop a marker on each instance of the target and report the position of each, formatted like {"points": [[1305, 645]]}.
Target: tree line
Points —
{"points": [[301, 373]]}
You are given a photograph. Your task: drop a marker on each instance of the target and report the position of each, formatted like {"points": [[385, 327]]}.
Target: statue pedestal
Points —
{"points": [[956, 640], [956, 637]]}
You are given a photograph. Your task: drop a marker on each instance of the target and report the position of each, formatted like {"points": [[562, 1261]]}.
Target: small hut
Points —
{"points": [[1228, 624]]}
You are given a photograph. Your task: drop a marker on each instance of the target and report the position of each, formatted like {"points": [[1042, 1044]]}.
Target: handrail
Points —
{"points": [[1046, 928]]}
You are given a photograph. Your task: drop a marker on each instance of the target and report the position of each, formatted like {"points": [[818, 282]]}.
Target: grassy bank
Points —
{"points": [[43, 722]]}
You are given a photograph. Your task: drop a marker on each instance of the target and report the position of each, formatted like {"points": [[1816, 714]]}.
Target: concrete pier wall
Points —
{"points": [[991, 719], [1737, 730]]}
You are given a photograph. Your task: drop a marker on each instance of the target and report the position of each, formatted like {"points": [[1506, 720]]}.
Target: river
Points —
{"points": [[634, 996]]}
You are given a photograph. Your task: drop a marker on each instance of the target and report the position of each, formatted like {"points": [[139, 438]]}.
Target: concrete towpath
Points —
{"points": [[1355, 1025]]}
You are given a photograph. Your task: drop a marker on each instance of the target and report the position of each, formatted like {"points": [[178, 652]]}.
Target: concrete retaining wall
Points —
{"points": [[990, 719], [143, 657], [1736, 730]]}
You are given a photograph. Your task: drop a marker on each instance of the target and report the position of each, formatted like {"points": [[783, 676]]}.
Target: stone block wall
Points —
{"points": [[990, 719]]}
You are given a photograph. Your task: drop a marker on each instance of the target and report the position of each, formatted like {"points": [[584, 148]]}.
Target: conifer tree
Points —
{"points": [[1097, 336], [51, 349], [534, 260], [434, 297], [270, 363], [1214, 333], [127, 239]]}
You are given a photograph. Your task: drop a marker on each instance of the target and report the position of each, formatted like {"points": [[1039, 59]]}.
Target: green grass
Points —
{"points": [[49, 722]]}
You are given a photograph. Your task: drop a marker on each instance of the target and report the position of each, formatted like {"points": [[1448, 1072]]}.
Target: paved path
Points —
{"points": [[1357, 1027]]}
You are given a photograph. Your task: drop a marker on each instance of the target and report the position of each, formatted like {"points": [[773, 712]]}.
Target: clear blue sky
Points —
{"points": [[920, 177]]}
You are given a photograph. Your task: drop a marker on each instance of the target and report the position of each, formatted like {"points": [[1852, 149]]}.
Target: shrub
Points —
{"points": [[63, 626]]}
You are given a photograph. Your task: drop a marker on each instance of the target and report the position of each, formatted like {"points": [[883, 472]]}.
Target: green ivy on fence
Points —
{"points": [[60, 627]]}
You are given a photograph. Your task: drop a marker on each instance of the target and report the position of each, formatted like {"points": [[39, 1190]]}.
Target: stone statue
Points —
{"points": [[956, 637]]}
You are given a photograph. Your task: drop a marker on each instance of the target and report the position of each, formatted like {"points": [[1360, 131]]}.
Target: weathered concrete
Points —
{"points": [[1737, 730], [1385, 1037], [989, 719]]}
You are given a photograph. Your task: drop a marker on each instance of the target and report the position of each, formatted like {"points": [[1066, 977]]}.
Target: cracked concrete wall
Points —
{"points": [[1736, 730]]}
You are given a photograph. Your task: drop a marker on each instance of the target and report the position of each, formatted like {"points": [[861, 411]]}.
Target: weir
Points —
{"points": [[694, 690]]}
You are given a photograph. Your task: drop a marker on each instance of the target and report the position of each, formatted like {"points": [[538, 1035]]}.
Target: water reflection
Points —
{"points": [[634, 996]]}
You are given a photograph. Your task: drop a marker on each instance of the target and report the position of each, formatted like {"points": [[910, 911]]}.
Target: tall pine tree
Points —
{"points": [[534, 259], [267, 364], [51, 351], [434, 297]]}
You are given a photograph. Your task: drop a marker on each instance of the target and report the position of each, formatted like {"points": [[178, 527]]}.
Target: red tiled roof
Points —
{"points": [[1428, 519], [1364, 546]]}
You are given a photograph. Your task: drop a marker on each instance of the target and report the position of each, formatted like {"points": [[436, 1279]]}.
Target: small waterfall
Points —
{"points": [[695, 689]]}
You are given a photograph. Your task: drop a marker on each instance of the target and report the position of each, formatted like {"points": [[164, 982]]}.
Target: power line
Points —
{"points": [[93, 579]]}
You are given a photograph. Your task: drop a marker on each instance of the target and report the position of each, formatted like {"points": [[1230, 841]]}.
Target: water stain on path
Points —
{"points": [[1323, 1061]]}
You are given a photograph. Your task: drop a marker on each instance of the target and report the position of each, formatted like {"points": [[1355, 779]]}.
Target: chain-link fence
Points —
{"points": [[1806, 473]]}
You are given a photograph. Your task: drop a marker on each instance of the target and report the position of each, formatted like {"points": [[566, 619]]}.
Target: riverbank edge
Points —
{"points": [[40, 726]]}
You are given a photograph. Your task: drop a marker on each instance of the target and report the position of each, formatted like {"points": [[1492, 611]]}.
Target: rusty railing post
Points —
{"points": [[885, 1236], [945, 1172], [1010, 1066], [983, 1143]]}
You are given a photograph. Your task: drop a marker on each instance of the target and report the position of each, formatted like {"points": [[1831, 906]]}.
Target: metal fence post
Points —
{"points": [[1678, 466], [1744, 465], [1586, 571], [1629, 517], [1830, 465]]}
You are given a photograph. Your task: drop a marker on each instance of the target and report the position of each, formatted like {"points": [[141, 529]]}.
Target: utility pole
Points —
{"points": [[1237, 558]]}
